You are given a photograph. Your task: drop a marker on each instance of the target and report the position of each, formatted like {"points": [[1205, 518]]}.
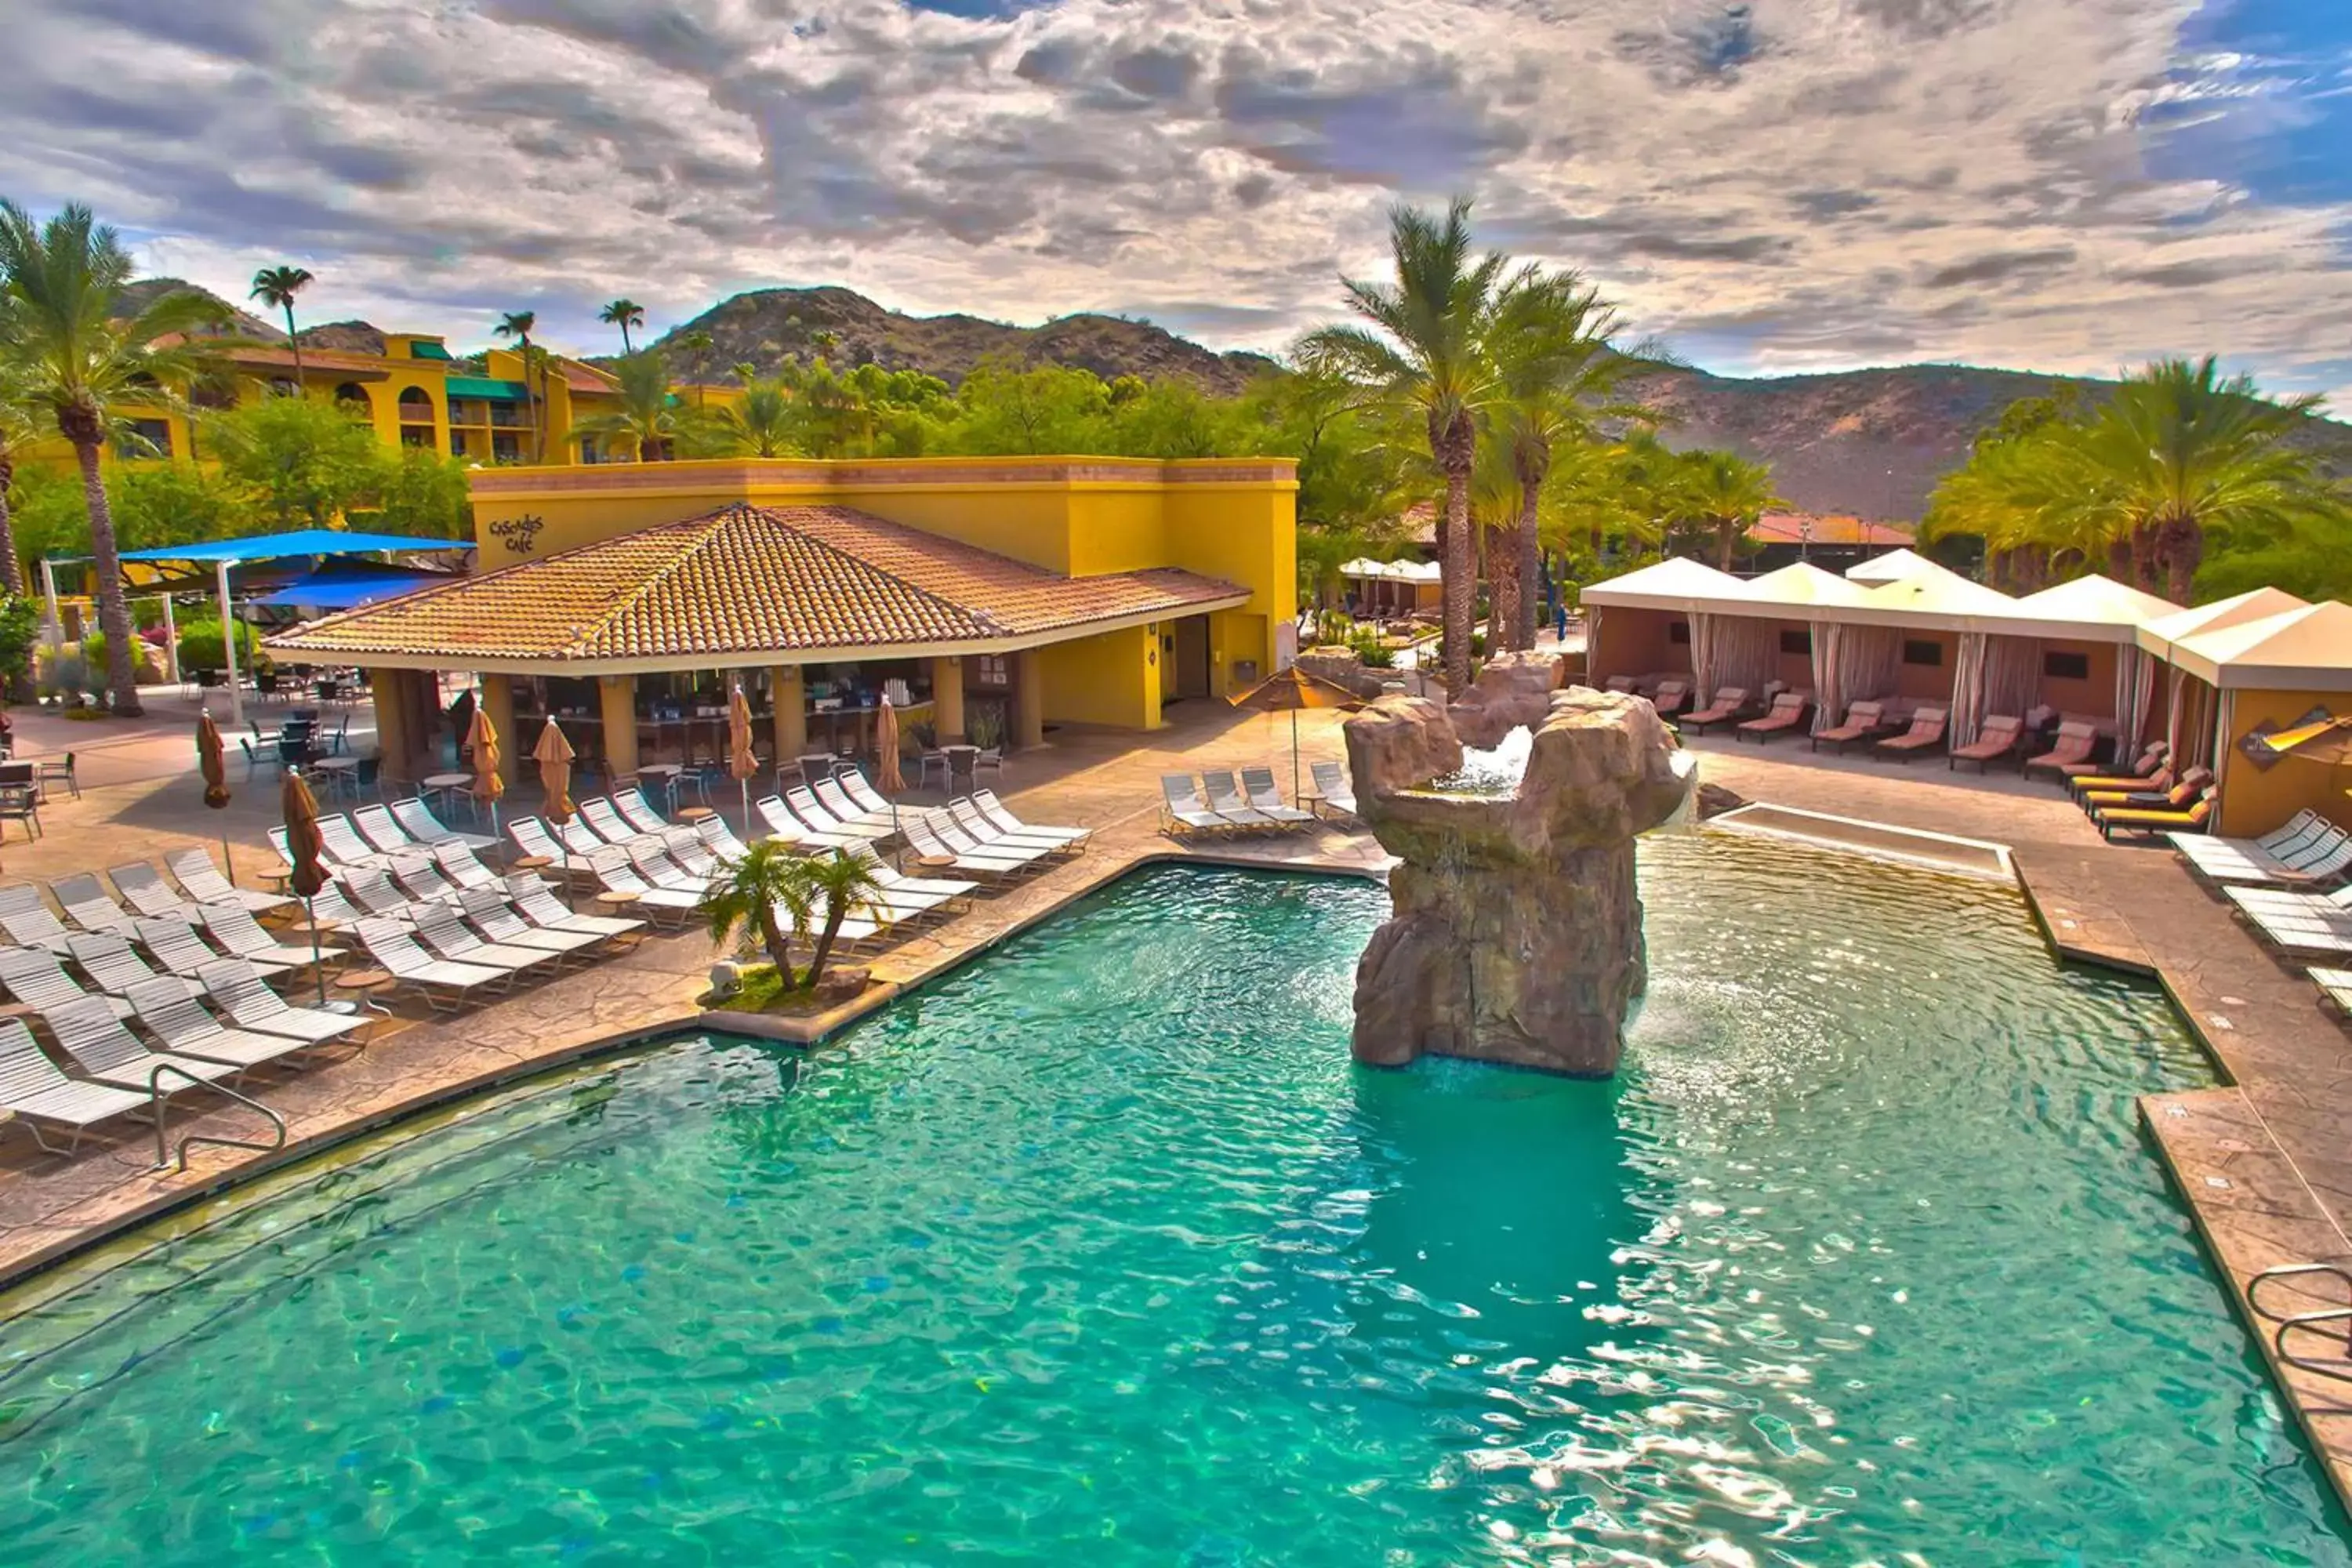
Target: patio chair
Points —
{"points": [[106, 1052], [1672, 697], [142, 887], [202, 881], [487, 912], [530, 896], [1996, 739], [56, 770], [1225, 797], [33, 977], [1788, 712], [239, 988], [1264, 797], [241, 935], [87, 903], [1729, 702], [2075, 743], [1335, 795], [1183, 811], [39, 1094], [167, 1009], [2141, 820], [1002, 815], [438, 927], [1926, 732], [417, 820], [111, 962], [446, 987]]}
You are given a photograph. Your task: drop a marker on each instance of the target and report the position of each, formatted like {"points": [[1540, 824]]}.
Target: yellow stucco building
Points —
{"points": [[622, 599]]}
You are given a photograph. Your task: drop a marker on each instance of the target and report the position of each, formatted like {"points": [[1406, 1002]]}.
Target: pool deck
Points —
{"points": [[2265, 1163]]}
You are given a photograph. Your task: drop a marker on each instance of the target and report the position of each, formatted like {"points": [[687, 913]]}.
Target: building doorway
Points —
{"points": [[1191, 661]]}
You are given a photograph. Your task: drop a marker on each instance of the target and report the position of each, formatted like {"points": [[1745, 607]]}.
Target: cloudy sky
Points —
{"points": [[1775, 186]]}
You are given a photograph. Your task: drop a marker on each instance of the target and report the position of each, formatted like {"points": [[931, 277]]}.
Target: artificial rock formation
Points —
{"points": [[1512, 689], [1516, 931]]}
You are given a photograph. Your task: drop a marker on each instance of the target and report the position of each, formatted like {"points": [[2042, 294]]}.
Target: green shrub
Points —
{"points": [[199, 646]]}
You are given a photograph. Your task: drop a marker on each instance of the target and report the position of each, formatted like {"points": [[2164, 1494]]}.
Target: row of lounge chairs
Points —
{"points": [[1218, 804]]}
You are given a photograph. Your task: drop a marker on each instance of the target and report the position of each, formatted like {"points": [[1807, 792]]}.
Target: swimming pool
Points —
{"points": [[1101, 1250]]}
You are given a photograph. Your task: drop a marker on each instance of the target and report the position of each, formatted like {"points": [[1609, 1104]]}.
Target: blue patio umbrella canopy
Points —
{"points": [[301, 542], [327, 589]]}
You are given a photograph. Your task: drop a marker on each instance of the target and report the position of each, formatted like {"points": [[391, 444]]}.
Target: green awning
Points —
{"points": [[483, 386]]}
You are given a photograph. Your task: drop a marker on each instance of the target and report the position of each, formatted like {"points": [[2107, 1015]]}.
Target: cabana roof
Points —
{"points": [[2159, 636], [1677, 583], [2308, 648], [1891, 567], [1803, 585]]}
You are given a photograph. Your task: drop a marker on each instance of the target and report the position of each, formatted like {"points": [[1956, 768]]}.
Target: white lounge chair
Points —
{"points": [[1183, 811], [417, 819], [106, 1052], [1264, 797], [202, 881], [142, 887], [167, 1009], [41, 1095], [445, 987], [1335, 793], [1002, 815], [33, 977], [238, 987]]}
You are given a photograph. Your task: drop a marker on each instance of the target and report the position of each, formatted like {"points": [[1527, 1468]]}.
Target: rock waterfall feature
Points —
{"points": [[1516, 931]]}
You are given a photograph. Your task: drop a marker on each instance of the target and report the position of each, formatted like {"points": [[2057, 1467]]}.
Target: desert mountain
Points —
{"points": [[762, 326]]}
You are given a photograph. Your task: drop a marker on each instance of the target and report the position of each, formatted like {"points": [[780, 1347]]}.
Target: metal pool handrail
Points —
{"points": [[158, 1100]]}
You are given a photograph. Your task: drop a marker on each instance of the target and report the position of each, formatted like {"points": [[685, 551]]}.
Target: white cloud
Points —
{"points": [[1784, 185]]}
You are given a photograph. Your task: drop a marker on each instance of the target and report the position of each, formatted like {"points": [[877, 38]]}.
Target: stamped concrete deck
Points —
{"points": [[2264, 1162]]}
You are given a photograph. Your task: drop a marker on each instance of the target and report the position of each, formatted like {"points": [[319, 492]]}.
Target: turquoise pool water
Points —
{"points": [[1101, 1251]]}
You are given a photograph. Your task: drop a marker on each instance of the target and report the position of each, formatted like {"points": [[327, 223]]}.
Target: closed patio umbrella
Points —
{"points": [[482, 739], [308, 847], [1289, 690], [213, 761], [741, 761]]}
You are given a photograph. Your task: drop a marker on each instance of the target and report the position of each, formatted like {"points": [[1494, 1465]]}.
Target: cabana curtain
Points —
{"points": [[1967, 689], [1733, 650], [2135, 690]]}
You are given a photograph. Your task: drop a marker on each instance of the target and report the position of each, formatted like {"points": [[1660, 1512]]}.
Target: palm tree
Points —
{"points": [[1551, 344], [1427, 355], [77, 365], [695, 342], [1728, 493], [761, 425], [769, 886], [649, 415], [517, 325], [278, 286], [623, 314]]}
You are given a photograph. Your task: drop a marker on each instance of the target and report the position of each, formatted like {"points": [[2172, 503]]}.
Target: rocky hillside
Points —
{"points": [[764, 326]]}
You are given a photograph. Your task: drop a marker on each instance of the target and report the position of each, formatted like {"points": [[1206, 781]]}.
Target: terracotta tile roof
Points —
{"points": [[749, 580]]}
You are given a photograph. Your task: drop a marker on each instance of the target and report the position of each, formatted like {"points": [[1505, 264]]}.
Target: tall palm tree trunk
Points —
{"points": [[106, 561], [1503, 601]]}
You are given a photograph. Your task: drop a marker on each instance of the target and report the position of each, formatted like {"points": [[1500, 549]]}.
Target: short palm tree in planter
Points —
{"points": [[778, 896]]}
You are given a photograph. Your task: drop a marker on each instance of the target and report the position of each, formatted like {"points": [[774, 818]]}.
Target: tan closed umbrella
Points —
{"points": [[741, 761], [482, 739], [309, 849], [212, 758]]}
